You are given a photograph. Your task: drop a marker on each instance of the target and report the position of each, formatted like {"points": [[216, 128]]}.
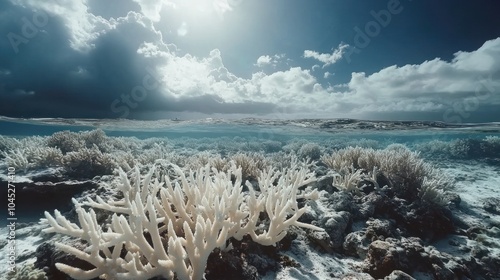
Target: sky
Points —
{"points": [[156, 59]]}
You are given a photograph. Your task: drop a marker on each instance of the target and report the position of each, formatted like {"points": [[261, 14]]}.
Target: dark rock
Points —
{"points": [[490, 267], [453, 198], [226, 266], [460, 270], [290, 236], [406, 254], [479, 252], [247, 260], [356, 276], [442, 273], [383, 258], [321, 170], [490, 205], [380, 229], [309, 216], [356, 244], [366, 186], [369, 204], [342, 201], [383, 180], [430, 223], [325, 183], [321, 239], [398, 275], [335, 224], [473, 232]]}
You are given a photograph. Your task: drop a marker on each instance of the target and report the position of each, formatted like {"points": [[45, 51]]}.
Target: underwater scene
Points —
{"points": [[249, 199], [249, 140]]}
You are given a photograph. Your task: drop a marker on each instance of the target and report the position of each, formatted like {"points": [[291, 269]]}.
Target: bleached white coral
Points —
{"points": [[88, 162], [433, 191], [348, 180], [28, 272], [402, 165], [31, 157], [168, 228], [251, 164], [310, 151]]}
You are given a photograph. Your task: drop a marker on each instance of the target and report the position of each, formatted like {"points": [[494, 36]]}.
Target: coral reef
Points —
{"points": [[171, 230]]}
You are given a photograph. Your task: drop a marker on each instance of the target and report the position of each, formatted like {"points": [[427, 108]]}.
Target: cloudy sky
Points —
{"points": [[151, 59]]}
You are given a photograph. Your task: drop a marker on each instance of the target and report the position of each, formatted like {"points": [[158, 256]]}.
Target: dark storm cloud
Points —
{"points": [[44, 76]]}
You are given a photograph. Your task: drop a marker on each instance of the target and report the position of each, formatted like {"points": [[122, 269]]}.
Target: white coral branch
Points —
{"points": [[169, 228]]}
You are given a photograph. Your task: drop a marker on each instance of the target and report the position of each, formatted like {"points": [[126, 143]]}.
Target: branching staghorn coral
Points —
{"points": [[7, 144], [251, 164], [66, 141], [310, 151], [17, 159], [433, 191], [88, 162], [406, 170], [168, 228], [345, 158], [398, 162], [32, 157], [349, 179]]}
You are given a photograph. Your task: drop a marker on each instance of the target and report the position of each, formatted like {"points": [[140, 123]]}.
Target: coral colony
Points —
{"points": [[185, 221]]}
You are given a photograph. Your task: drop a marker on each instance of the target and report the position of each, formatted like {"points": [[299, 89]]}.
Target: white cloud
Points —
{"points": [[152, 50], [455, 90], [326, 58], [264, 60], [427, 87], [152, 8], [84, 27], [436, 78], [327, 74], [485, 59]]}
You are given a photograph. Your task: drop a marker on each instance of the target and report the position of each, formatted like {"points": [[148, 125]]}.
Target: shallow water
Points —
{"points": [[469, 154]]}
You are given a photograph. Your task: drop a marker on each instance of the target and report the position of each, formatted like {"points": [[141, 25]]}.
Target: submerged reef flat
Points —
{"points": [[337, 207], [327, 125]]}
